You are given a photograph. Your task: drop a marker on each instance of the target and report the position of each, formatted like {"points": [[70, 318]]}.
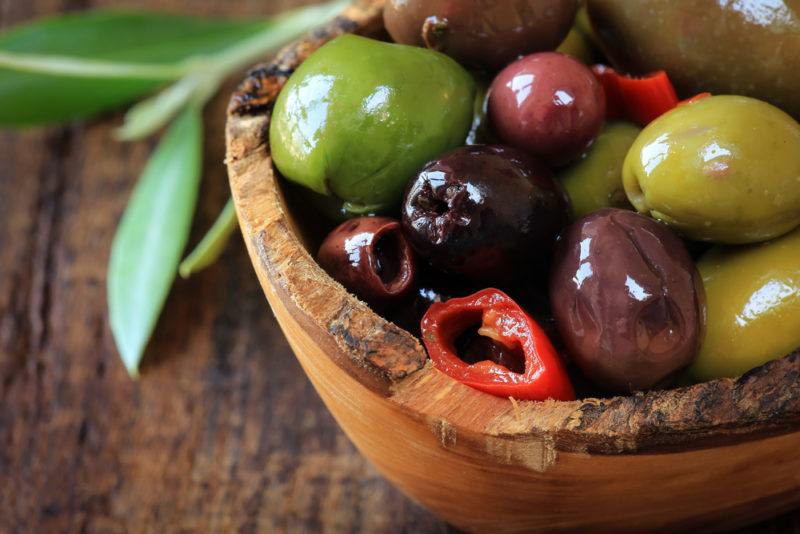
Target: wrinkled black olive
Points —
{"points": [[627, 299], [489, 213]]}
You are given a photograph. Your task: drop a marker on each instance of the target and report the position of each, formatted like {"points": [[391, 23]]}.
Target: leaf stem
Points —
{"points": [[283, 29], [91, 68]]}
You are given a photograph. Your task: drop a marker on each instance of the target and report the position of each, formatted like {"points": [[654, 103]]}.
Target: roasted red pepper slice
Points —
{"points": [[638, 99], [502, 320], [615, 104]]}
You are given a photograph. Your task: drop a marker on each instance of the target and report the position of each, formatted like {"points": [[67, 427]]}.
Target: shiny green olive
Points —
{"points": [[480, 133], [359, 117], [577, 45], [753, 302], [595, 181], [579, 41], [724, 169]]}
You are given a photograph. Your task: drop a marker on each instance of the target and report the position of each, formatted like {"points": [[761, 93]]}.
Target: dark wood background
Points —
{"points": [[223, 432]]}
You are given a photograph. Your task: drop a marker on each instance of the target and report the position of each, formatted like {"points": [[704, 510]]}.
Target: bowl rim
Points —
{"points": [[392, 363]]}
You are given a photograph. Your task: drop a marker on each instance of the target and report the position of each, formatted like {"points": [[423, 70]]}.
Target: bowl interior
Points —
{"points": [[282, 237]]}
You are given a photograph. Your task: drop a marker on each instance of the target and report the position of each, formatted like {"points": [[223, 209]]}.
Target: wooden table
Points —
{"points": [[223, 432]]}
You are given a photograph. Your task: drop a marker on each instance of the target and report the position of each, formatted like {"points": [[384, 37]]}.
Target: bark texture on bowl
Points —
{"points": [[719, 447]]}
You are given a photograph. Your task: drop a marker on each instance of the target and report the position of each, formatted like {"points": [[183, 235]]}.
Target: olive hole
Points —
{"points": [[635, 194], [440, 207], [472, 347], [434, 205], [388, 257]]}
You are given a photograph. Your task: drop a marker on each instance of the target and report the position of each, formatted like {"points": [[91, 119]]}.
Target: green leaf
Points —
{"points": [[150, 115], [213, 243], [153, 44], [152, 235]]}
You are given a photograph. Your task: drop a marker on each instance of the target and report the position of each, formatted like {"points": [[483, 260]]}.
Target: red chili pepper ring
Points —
{"points": [[507, 328]]}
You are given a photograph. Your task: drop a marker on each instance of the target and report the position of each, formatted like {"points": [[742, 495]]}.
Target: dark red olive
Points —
{"points": [[480, 33], [548, 104], [371, 258], [485, 212], [627, 299]]}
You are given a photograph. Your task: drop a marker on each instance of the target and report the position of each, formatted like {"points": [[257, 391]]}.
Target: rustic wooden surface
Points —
{"points": [[223, 432]]}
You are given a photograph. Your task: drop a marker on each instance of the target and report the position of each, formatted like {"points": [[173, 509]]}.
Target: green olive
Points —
{"points": [[580, 42], [595, 181], [480, 133], [577, 45], [753, 303], [741, 47], [724, 169], [359, 117]]}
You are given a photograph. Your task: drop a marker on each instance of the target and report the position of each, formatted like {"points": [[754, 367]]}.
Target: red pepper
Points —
{"points": [[640, 100], [503, 321], [608, 78]]}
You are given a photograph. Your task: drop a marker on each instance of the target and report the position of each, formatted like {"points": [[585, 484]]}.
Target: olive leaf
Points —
{"points": [[152, 234], [210, 71], [77, 65], [213, 243]]}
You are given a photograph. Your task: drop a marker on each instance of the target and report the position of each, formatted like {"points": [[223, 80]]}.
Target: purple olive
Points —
{"points": [[371, 258], [480, 33], [548, 104], [484, 212], [627, 299]]}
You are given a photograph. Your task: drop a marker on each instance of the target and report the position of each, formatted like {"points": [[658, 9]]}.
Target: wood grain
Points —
{"points": [[223, 433]]}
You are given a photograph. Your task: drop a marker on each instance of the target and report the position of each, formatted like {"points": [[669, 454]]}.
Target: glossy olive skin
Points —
{"points": [[485, 212], [695, 40], [359, 117], [594, 181], [579, 42], [627, 299], [481, 33], [724, 169], [577, 45], [371, 258], [753, 298], [548, 104], [480, 133]]}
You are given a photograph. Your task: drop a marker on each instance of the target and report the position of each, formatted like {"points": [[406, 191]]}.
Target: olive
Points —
{"points": [[577, 45], [753, 295], [739, 47], [595, 180], [724, 169], [370, 257], [485, 212], [549, 104], [399, 105], [431, 286], [627, 299], [479, 33], [480, 133], [580, 41]]}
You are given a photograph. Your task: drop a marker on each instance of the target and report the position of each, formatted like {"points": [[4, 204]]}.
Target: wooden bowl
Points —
{"points": [[711, 456]]}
